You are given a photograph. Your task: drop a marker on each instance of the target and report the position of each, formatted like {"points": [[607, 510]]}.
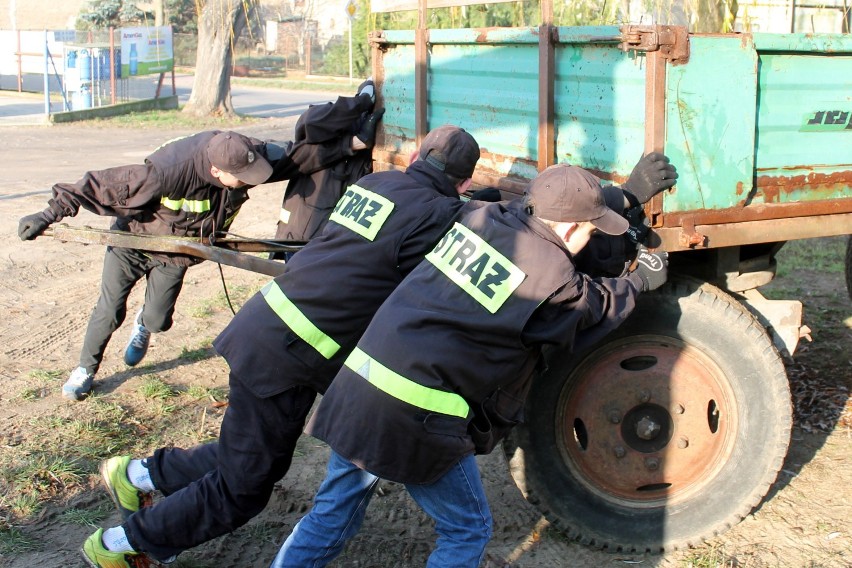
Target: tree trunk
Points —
{"points": [[220, 23]]}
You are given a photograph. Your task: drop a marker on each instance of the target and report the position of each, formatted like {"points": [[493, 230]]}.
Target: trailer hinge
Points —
{"points": [[671, 41], [689, 237]]}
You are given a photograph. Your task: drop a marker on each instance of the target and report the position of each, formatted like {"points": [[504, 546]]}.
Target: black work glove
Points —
{"points": [[31, 226], [639, 225], [651, 270], [367, 132], [651, 175], [491, 194]]}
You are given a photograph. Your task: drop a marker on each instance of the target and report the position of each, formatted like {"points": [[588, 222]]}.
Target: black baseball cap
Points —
{"points": [[234, 153], [565, 193], [451, 150]]}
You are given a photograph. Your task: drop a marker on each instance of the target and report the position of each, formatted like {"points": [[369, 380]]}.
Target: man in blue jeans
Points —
{"points": [[416, 404]]}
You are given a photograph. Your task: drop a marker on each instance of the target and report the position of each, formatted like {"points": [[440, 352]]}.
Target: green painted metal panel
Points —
{"points": [[398, 93], [746, 122], [490, 90], [820, 43], [804, 127], [599, 107], [710, 123]]}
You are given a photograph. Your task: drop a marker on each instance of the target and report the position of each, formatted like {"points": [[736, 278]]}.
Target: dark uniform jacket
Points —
{"points": [[309, 199], [173, 192], [444, 367], [300, 327]]}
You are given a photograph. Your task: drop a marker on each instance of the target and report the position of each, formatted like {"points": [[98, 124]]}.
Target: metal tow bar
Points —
{"points": [[228, 251]]}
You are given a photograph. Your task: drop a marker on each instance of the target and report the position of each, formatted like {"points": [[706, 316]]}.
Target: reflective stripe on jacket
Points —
{"points": [[469, 322], [381, 231]]}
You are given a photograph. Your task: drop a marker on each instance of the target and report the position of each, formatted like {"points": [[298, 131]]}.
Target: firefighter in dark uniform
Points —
{"points": [[283, 347], [310, 198], [441, 373], [193, 186]]}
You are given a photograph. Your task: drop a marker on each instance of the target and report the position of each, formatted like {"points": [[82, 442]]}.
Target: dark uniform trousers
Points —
{"points": [[230, 481], [122, 269]]}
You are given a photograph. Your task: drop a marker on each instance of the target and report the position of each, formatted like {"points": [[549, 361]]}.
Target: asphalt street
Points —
{"points": [[18, 109]]}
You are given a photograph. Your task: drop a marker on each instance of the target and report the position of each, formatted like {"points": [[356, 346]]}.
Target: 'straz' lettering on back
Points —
{"points": [[476, 267], [362, 211]]}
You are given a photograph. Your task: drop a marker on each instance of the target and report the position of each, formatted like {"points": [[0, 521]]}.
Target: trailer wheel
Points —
{"points": [[668, 433], [849, 266]]}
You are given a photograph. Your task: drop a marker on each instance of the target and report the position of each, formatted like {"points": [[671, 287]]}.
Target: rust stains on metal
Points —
{"points": [[759, 231], [760, 212], [740, 188], [812, 185]]}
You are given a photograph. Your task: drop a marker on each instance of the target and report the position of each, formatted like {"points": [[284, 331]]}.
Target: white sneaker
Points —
{"points": [[79, 384]]}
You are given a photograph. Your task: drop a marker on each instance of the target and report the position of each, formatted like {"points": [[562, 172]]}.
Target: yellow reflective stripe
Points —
{"points": [[362, 211], [284, 216], [404, 389], [476, 267], [297, 322], [188, 205]]}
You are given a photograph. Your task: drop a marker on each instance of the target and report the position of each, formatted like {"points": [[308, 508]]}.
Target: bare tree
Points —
{"points": [[219, 25]]}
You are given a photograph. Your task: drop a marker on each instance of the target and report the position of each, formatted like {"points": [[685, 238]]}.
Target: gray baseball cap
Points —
{"points": [[565, 193]]}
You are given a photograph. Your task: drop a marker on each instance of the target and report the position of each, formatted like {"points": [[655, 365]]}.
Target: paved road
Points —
{"points": [[28, 108]]}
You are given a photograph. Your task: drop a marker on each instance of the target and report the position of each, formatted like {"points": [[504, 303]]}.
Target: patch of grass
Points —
{"points": [[820, 255], [23, 505], [94, 434], [154, 388], [238, 295], [34, 393], [43, 378], [46, 376], [13, 541], [709, 556], [197, 354], [86, 517], [197, 392], [47, 475], [173, 119]]}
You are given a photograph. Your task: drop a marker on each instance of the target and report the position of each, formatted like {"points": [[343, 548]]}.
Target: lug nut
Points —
{"points": [[653, 464], [647, 429], [645, 396], [615, 417], [619, 452]]}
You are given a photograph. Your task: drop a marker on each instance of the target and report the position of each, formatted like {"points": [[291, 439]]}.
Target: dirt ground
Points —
{"points": [[48, 288]]}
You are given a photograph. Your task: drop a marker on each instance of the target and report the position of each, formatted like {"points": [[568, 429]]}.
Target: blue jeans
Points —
{"points": [[456, 502]]}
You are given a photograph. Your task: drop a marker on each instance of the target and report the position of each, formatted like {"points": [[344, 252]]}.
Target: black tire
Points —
{"points": [[849, 266], [668, 433]]}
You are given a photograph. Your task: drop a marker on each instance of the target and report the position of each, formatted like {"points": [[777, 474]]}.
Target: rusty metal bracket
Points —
{"points": [[671, 41], [689, 237], [231, 252]]}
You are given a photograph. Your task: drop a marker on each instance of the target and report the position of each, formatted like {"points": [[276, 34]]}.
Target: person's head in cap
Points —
{"points": [[570, 200], [235, 161], [452, 151]]}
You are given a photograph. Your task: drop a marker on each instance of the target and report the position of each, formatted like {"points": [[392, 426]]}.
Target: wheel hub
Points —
{"points": [[646, 418]]}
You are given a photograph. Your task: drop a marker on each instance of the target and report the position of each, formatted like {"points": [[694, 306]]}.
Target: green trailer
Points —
{"points": [[676, 426]]}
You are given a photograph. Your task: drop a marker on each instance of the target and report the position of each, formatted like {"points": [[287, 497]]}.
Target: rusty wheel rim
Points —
{"points": [[646, 419]]}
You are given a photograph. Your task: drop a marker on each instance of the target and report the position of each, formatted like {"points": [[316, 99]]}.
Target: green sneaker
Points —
{"points": [[127, 498], [97, 556]]}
